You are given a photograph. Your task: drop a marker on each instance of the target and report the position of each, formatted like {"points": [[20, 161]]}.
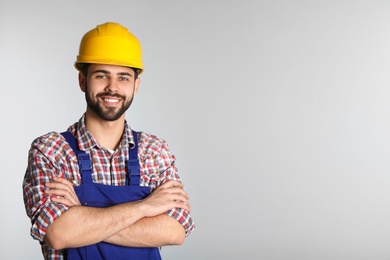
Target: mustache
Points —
{"points": [[109, 94]]}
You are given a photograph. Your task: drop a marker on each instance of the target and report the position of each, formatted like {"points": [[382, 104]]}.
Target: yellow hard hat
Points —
{"points": [[110, 43]]}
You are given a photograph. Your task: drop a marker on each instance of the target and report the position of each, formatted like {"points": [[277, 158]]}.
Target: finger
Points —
{"points": [[52, 190], [177, 198], [64, 201], [182, 199], [171, 194], [177, 191], [63, 193], [56, 185], [58, 192], [171, 184], [182, 205], [63, 181]]}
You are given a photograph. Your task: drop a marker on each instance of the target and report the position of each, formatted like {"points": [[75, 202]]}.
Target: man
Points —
{"points": [[101, 190]]}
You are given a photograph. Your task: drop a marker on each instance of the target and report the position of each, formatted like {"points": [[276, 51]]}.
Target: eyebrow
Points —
{"points": [[109, 73]]}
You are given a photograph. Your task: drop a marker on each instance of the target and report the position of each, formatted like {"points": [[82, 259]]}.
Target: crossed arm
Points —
{"points": [[134, 224]]}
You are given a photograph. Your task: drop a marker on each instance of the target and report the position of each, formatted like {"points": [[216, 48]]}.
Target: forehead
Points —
{"points": [[112, 69]]}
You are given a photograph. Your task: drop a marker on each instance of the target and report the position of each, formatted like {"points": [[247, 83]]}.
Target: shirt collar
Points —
{"points": [[87, 141]]}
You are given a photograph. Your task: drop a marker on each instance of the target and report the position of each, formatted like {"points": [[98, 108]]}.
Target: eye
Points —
{"points": [[123, 79], [100, 76]]}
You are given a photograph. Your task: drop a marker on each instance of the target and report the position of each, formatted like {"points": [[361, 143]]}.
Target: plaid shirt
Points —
{"points": [[50, 155]]}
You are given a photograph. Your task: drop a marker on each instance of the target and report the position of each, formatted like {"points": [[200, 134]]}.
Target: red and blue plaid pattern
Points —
{"points": [[50, 155]]}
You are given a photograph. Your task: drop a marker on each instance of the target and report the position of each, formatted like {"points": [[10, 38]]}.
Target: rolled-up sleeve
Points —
{"points": [[158, 166], [39, 208]]}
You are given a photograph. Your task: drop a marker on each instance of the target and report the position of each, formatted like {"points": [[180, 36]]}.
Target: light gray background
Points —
{"points": [[278, 113]]}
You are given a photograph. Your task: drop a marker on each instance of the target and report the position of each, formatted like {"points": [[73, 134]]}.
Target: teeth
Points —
{"points": [[111, 100]]}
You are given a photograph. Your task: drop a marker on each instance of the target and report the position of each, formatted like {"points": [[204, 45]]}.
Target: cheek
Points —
{"points": [[92, 89]]}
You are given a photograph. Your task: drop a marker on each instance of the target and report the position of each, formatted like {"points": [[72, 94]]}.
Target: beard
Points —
{"points": [[107, 113]]}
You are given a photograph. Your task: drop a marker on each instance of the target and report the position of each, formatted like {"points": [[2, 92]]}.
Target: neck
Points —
{"points": [[107, 133]]}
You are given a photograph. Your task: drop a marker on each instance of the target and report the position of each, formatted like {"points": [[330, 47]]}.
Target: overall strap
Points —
{"points": [[84, 160], [133, 168]]}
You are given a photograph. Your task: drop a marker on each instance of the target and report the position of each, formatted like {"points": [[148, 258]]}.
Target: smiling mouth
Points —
{"points": [[111, 100]]}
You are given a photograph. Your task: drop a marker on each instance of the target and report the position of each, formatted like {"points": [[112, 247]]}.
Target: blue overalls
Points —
{"points": [[100, 195]]}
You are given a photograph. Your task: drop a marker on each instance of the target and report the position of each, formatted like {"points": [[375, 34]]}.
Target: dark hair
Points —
{"points": [[84, 69], [136, 72]]}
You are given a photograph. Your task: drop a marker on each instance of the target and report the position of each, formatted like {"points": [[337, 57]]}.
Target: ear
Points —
{"points": [[137, 82], [82, 81]]}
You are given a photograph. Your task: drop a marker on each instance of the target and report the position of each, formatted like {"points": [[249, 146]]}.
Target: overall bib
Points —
{"points": [[100, 195]]}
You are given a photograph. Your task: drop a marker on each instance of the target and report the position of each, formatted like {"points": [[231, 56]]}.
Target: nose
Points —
{"points": [[111, 86]]}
